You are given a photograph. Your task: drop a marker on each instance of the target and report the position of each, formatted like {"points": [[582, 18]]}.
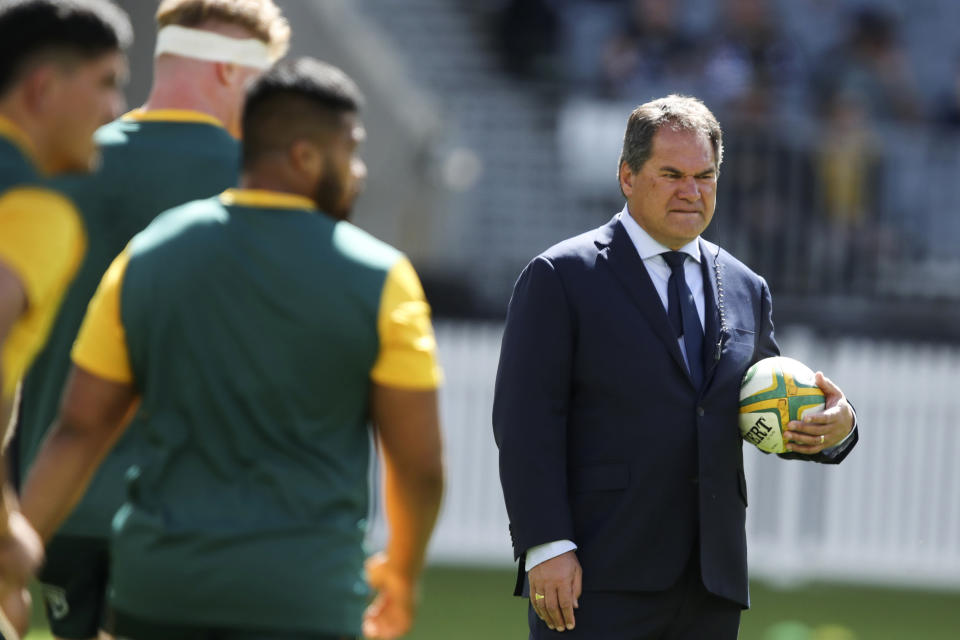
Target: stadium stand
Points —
{"points": [[870, 191], [486, 149]]}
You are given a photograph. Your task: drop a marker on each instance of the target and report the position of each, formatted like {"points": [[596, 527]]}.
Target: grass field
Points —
{"points": [[472, 604]]}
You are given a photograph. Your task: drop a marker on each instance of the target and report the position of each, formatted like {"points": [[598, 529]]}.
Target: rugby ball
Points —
{"points": [[773, 392]]}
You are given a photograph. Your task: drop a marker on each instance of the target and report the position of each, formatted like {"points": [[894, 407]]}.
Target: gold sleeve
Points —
{"points": [[408, 349], [42, 242], [101, 346]]}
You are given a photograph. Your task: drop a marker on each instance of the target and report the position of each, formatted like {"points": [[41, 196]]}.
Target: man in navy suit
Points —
{"points": [[617, 400]]}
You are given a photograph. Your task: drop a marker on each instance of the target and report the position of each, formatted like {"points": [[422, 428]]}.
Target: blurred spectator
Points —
{"points": [[651, 55], [948, 107], [528, 31], [872, 64], [751, 67], [849, 172], [587, 26], [815, 25], [766, 198], [848, 158]]}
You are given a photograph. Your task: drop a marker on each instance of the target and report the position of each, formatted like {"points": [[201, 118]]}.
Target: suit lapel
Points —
{"points": [[617, 250], [712, 331]]}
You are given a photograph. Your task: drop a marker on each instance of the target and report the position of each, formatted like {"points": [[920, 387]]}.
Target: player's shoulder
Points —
{"points": [[43, 237], [194, 213], [181, 221], [126, 132], [112, 134], [37, 198], [48, 209], [33, 198], [363, 249]]}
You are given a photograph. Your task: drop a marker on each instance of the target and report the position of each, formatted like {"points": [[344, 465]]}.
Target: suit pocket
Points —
{"points": [[742, 485], [742, 336], [600, 477]]}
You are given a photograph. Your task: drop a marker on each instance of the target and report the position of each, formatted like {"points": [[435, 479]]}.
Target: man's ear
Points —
{"points": [[627, 177], [306, 158], [41, 87], [228, 73]]}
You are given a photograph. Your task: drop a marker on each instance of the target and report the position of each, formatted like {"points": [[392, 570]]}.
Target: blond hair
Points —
{"points": [[261, 17]]}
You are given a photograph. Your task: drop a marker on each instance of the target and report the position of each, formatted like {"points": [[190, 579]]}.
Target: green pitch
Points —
{"points": [[474, 604]]}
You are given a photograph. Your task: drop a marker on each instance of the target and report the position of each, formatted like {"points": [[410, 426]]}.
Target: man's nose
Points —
{"points": [[688, 189]]}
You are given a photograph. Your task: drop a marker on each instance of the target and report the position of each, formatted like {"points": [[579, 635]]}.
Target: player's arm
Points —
{"points": [[405, 414], [98, 397], [92, 417], [408, 425], [20, 549], [409, 429], [13, 302]]}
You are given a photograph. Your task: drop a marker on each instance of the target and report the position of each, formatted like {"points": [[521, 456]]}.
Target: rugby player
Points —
{"points": [[255, 334], [179, 146], [61, 63]]}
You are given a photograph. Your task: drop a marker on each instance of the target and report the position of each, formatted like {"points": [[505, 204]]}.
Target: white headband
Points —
{"points": [[213, 47]]}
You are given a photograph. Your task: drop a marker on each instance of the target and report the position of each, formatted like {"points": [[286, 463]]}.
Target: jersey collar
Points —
{"points": [[172, 115], [264, 199]]}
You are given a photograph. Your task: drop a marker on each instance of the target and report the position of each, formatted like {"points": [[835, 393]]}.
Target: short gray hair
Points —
{"points": [[681, 113]]}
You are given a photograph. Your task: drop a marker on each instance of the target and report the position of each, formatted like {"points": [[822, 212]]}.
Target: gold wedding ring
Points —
{"points": [[822, 438], [538, 596]]}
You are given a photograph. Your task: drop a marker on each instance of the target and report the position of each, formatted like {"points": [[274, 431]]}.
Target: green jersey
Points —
{"points": [[151, 161], [253, 327]]}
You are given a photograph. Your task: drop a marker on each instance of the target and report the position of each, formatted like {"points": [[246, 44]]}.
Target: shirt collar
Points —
{"points": [[646, 246], [265, 199], [172, 115]]}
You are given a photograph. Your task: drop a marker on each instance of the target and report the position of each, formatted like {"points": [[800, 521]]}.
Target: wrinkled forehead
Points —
{"points": [[683, 148]]}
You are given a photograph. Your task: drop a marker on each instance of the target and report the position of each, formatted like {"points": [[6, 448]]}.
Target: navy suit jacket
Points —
{"points": [[603, 438]]}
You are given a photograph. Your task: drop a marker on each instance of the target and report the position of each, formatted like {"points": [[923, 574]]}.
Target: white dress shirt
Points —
{"points": [[659, 272]]}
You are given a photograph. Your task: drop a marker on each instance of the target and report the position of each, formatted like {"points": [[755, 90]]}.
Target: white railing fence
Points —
{"points": [[889, 514]]}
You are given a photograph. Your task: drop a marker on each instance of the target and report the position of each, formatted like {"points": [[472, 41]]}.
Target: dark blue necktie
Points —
{"points": [[683, 315]]}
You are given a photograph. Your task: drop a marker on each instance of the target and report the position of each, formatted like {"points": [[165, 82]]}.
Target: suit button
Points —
{"points": [[694, 479], [700, 411]]}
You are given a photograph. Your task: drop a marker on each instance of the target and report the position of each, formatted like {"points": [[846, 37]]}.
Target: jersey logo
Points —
{"points": [[56, 600]]}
